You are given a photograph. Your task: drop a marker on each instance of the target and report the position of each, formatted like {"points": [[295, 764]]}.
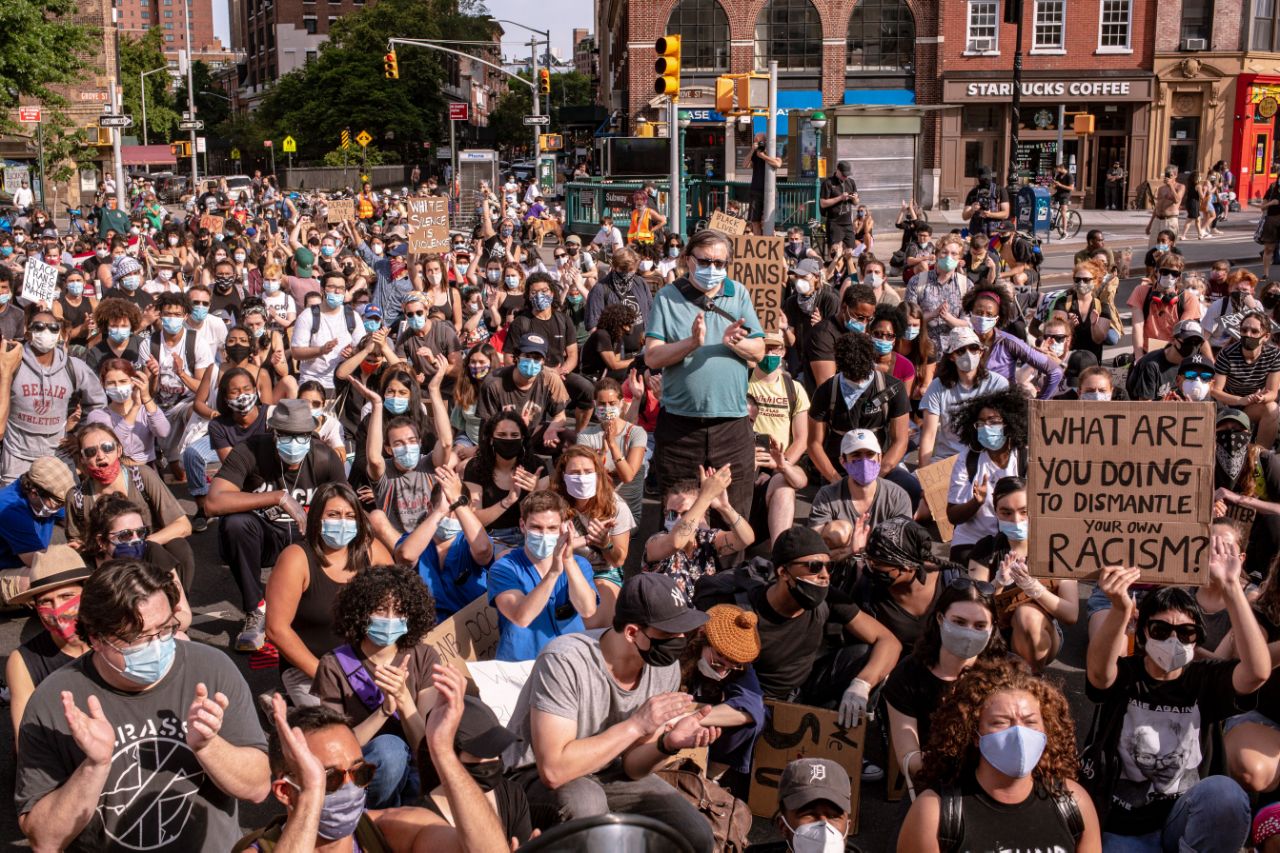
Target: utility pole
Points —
{"points": [[537, 109], [40, 143], [1015, 114], [771, 148], [674, 223], [117, 108], [191, 95]]}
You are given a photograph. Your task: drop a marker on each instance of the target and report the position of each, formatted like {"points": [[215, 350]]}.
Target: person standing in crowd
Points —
{"points": [[999, 770], [1115, 193], [940, 289], [1164, 215], [987, 204], [703, 333], [594, 716], [837, 199], [758, 160], [187, 698]]}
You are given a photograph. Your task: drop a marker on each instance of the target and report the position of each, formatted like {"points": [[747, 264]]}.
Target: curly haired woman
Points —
{"points": [[999, 773]]}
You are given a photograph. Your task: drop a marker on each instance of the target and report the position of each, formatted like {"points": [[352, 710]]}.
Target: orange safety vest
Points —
{"points": [[640, 232], [366, 207]]}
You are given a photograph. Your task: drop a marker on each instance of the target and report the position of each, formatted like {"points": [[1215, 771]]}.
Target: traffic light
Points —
{"points": [[551, 142], [667, 66], [391, 66], [544, 81], [724, 94], [180, 149]]}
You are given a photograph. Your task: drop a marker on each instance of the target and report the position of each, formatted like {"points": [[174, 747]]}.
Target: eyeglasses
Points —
{"points": [[106, 449], [361, 775], [560, 257], [1057, 339], [120, 537], [813, 567], [164, 635], [1159, 629], [884, 336], [1206, 375], [708, 262], [56, 328], [720, 663], [414, 314], [200, 304], [965, 583]]}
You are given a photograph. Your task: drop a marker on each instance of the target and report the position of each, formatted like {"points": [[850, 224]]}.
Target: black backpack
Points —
{"points": [[951, 816], [189, 348], [346, 309], [713, 589]]}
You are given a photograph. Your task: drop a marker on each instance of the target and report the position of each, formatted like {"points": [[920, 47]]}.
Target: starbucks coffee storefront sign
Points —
{"points": [[960, 91]]}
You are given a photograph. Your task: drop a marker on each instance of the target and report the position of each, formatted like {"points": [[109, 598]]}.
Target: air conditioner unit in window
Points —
{"points": [[982, 45], [1195, 44]]}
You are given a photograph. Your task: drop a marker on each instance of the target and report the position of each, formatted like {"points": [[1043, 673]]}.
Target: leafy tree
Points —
{"points": [[212, 107], [353, 157], [147, 54], [569, 89]]}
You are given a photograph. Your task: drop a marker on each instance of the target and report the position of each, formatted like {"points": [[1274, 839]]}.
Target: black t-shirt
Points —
{"points": [[1152, 377], [757, 169], [226, 306], [992, 196], [913, 691], [499, 391], [834, 187], [558, 331], [1153, 256], [872, 411], [1082, 337], [592, 365], [225, 431], [789, 646], [903, 625], [255, 466], [990, 551], [1065, 178], [820, 342], [1163, 732], [826, 302]]}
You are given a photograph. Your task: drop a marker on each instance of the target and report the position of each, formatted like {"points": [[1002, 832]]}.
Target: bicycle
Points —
{"points": [[76, 225], [1067, 225]]}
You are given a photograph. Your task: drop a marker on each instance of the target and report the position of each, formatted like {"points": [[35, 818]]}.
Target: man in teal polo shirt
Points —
{"points": [[704, 335]]}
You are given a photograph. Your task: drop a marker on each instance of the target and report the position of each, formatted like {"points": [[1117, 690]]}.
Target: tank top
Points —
{"points": [[42, 656], [1033, 824], [75, 315], [313, 621]]}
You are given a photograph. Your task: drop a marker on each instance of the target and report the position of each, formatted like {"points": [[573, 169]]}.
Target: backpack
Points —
{"points": [[971, 462], [879, 399], [951, 816], [188, 349], [346, 309], [362, 684], [729, 817], [711, 589]]}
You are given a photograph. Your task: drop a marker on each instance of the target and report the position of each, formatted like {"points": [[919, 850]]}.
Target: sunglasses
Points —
{"points": [[707, 262], [1083, 279], [1057, 339], [56, 328], [965, 583], [122, 536], [360, 774], [199, 304], [970, 348], [1206, 375], [812, 566], [106, 448], [1158, 629]]}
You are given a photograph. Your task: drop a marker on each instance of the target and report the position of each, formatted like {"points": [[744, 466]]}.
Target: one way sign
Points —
{"points": [[115, 121]]}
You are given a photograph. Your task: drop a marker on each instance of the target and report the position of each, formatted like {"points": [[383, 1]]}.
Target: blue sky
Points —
{"points": [[564, 15]]}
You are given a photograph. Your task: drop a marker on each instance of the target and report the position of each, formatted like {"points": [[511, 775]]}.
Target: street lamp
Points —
{"points": [[142, 78], [682, 122], [537, 109], [818, 121]]}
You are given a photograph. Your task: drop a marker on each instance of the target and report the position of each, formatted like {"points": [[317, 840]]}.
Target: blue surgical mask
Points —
{"points": [[707, 277], [396, 405], [75, 288], [855, 325], [991, 437], [148, 664], [1015, 531], [541, 545], [882, 347], [530, 367], [338, 532], [911, 333], [448, 529], [512, 282], [6, 251], [328, 251], [982, 325], [408, 456], [131, 282], [199, 313], [384, 631], [673, 251], [293, 450], [333, 300], [946, 263], [1014, 751], [119, 334], [418, 323], [172, 325], [372, 326]]}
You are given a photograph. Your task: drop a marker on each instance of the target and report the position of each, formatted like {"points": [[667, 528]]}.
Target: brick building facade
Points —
{"points": [[139, 16]]}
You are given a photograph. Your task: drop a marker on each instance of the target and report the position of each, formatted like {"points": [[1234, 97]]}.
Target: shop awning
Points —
{"points": [[147, 155]]}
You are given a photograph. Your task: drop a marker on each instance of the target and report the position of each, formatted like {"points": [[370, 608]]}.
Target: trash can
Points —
{"points": [[1033, 211]]}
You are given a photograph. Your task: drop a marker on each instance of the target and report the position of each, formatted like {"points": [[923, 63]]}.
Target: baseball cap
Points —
{"points": [[808, 779], [859, 439], [654, 601], [1187, 329], [1196, 361], [533, 343], [961, 337], [573, 240], [479, 731], [1079, 361], [305, 258], [808, 267], [1233, 416], [774, 339]]}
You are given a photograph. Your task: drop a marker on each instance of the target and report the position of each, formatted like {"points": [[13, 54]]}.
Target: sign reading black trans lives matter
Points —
{"points": [[1121, 484]]}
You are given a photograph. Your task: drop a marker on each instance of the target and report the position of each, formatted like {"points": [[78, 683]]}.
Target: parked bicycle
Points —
{"points": [[1066, 222], [76, 225]]}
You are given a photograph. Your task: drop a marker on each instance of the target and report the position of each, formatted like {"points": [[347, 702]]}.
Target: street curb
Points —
{"points": [[1062, 277]]}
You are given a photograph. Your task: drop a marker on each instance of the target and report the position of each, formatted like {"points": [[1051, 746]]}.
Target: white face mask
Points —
{"points": [[967, 361], [816, 837], [1169, 654], [875, 279], [1196, 389], [804, 286], [435, 278], [1103, 396], [709, 671], [42, 342]]}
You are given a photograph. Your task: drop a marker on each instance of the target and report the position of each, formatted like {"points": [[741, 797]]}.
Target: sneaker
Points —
{"points": [[254, 634], [267, 657], [871, 772], [199, 524]]}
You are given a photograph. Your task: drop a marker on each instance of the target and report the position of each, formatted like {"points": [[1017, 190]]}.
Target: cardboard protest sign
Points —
{"points": [[1121, 484], [500, 683], [935, 480], [341, 210], [759, 265], [214, 224], [801, 731], [731, 225], [428, 224], [39, 283], [471, 634]]}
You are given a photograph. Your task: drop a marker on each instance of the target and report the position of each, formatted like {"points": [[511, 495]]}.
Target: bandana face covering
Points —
{"points": [[1232, 448]]}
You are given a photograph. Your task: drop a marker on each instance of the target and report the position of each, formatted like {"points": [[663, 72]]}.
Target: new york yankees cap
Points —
{"points": [[654, 601]]}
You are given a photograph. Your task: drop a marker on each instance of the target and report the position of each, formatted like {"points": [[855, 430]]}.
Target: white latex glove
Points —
{"points": [[1029, 585], [854, 703]]}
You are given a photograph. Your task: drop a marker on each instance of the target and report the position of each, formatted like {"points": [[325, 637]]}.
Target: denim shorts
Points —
{"points": [[1249, 717], [1098, 601]]}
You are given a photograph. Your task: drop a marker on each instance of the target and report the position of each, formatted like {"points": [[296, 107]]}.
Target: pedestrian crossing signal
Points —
{"points": [[391, 66]]}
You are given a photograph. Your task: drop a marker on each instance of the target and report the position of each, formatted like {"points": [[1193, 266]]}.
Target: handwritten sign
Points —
{"points": [[39, 283], [471, 634], [723, 222], [760, 266], [1121, 484], [500, 683], [341, 210], [800, 731], [935, 480], [213, 224], [428, 224]]}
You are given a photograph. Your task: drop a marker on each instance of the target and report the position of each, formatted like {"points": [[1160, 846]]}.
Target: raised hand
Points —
{"points": [[177, 364], [524, 481], [699, 330], [10, 357], [394, 683], [1115, 582], [689, 733], [93, 732], [442, 367], [598, 533], [1224, 562], [658, 710], [980, 489], [365, 391], [564, 548], [204, 717], [734, 334], [861, 533], [442, 722], [328, 346], [450, 483], [310, 770]]}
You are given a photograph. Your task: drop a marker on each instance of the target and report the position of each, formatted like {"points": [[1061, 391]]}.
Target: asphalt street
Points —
{"points": [[217, 619]]}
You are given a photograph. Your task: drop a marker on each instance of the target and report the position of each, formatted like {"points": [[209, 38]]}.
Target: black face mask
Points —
{"points": [[1186, 348], [663, 652], [223, 284], [1231, 452], [808, 595], [486, 774], [238, 352], [508, 448]]}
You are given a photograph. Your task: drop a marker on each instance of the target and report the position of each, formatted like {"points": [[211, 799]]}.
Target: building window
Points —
{"points": [[703, 28], [882, 34], [984, 27], [168, 38], [1050, 25], [1197, 23], [311, 56], [1265, 36], [790, 32], [309, 24], [1113, 30], [168, 13]]}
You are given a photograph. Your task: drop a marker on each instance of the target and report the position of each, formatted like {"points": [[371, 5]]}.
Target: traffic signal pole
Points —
{"points": [[191, 96], [537, 109], [674, 219], [771, 148]]}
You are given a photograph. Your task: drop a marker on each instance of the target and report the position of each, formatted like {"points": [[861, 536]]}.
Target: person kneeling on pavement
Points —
{"points": [[813, 809]]}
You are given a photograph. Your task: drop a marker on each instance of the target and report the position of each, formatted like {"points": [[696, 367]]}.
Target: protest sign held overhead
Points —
{"points": [[39, 283], [341, 210], [213, 224], [1121, 484], [760, 266], [731, 225], [428, 223]]}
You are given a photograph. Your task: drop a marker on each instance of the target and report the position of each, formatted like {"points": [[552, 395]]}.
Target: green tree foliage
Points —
{"points": [[344, 86], [146, 54], [212, 106], [353, 157], [569, 89]]}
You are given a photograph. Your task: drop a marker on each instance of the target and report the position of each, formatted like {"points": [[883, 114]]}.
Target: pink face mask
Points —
{"points": [[61, 620]]}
